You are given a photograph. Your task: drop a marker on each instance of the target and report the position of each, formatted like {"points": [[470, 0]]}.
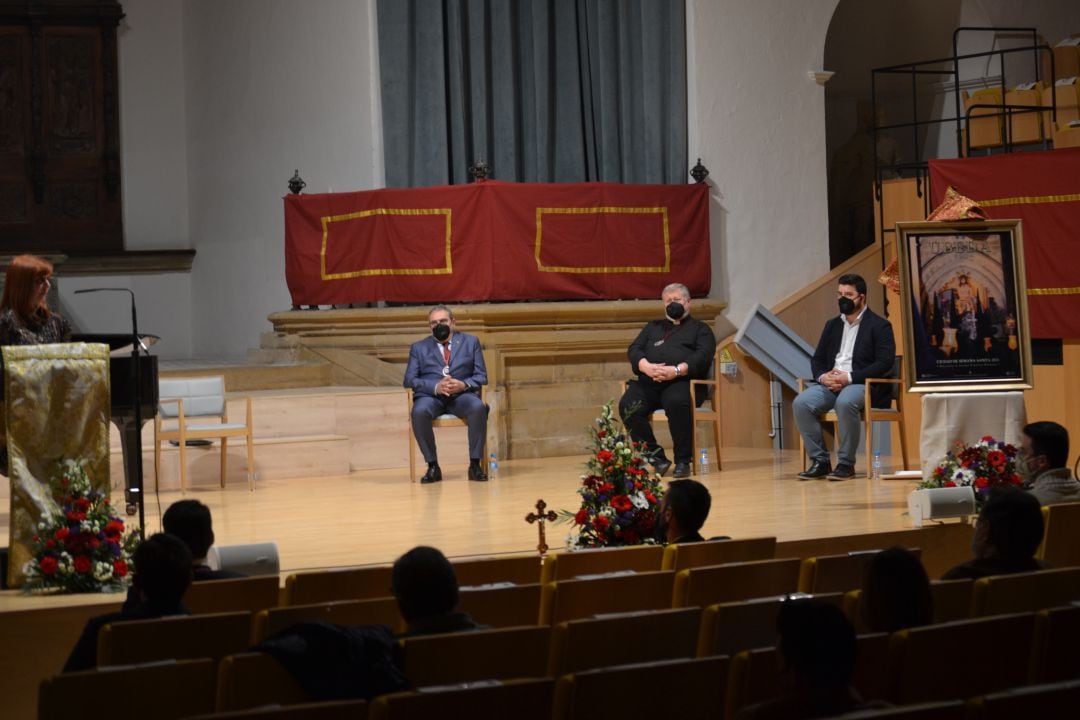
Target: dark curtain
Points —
{"points": [[543, 91]]}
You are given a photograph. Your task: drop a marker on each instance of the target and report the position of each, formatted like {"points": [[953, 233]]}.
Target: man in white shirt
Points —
{"points": [[854, 346]]}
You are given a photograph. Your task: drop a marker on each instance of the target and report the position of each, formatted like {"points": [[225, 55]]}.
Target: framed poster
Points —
{"points": [[962, 287]]}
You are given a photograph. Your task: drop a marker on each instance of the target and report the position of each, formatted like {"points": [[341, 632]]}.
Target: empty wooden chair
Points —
{"points": [[835, 573], [984, 126], [346, 584], [518, 699], [508, 606], [248, 680], [1061, 541], [163, 690], [328, 710], [518, 569], [572, 599], [718, 552], [250, 594], [569, 565], [1052, 701], [1024, 592], [1025, 126], [730, 628], [499, 654], [177, 637], [1056, 638], [684, 689], [380, 611], [706, 586], [600, 642]]}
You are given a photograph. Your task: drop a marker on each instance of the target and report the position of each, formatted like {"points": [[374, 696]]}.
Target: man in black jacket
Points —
{"points": [[665, 356], [854, 346]]}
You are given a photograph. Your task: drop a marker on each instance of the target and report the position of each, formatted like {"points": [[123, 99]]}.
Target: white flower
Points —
{"points": [[639, 501], [965, 476]]}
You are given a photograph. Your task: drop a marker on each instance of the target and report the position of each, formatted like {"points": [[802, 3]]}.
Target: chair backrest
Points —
{"points": [[952, 599], [718, 552], [684, 689], [508, 606], [202, 396], [327, 710], [897, 389], [706, 586], [499, 654], [520, 569], [518, 699], [573, 599], [730, 628], [238, 594], [835, 573], [213, 636], [347, 584], [1052, 701], [1024, 592], [380, 611], [248, 680], [159, 690], [569, 565], [1061, 541], [1057, 630], [589, 643], [950, 710]]}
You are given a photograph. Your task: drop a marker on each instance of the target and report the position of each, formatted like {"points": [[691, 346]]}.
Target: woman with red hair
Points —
{"points": [[25, 318]]}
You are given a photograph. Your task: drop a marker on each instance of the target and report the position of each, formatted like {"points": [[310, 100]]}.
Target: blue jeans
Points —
{"points": [[817, 400]]}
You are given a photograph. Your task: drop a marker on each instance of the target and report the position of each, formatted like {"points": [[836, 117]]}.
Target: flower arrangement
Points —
{"points": [[81, 547], [982, 465], [620, 498]]}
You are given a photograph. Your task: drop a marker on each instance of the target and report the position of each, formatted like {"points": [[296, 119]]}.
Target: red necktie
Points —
{"points": [[446, 354]]}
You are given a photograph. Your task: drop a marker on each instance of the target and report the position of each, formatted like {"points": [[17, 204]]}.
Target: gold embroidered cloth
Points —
{"points": [[57, 407]]}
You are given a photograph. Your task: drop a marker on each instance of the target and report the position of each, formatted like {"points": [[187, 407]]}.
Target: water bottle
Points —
{"points": [[877, 465], [493, 466], [704, 461]]}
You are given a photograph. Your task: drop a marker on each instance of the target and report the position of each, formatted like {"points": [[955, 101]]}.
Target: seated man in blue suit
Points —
{"points": [[445, 372], [855, 345]]}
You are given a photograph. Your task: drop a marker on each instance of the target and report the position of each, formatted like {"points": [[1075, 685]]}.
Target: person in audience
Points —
{"points": [[683, 511], [445, 372], [855, 345], [896, 592], [162, 576], [816, 649], [1043, 463], [190, 521], [665, 356], [1007, 534], [426, 589]]}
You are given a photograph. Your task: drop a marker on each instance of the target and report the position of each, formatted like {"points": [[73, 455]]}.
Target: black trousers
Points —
{"points": [[643, 397]]}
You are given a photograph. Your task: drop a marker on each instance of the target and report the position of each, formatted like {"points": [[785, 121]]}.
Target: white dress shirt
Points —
{"points": [[847, 343]]}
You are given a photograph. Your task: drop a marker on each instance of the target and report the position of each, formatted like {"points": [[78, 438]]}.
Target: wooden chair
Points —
{"points": [[518, 569], [1068, 107], [380, 611], [984, 125], [191, 403], [872, 414], [835, 573], [1025, 127], [1024, 592], [730, 628], [951, 710], [163, 690], [1052, 701], [718, 552], [952, 599], [328, 710], [509, 606], [177, 637], [1061, 539], [321, 586], [1057, 633], [684, 689], [569, 565], [589, 643], [518, 699], [965, 658], [573, 599], [249, 680], [706, 586], [459, 657], [250, 594], [444, 420]]}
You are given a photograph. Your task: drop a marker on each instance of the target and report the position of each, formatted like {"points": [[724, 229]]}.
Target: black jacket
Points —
{"points": [[872, 357]]}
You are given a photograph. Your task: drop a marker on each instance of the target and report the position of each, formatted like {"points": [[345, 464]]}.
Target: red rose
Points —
{"points": [[981, 482], [62, 533], [604, 456], [987, 438], [1015, 479], [600, 523], [119, 568], [621, 503], [82, 504], [73, 516], [606, 487], [50, 543], [82, 564], [948, 483], [582, 516], [601, 433], [651, 498], [47, 565], [114, 528]]}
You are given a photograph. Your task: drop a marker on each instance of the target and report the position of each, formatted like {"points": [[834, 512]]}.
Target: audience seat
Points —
{"points": [[1057, 638], [162, 690], [178, 637], [1061, 540], [499, 654], [572, 599], [953, 710], [730, 628], [328, 710], [646, 636], [985, 124], [509, 606], [835, 573], [706, 586], [952, 599], [249, 680], [1055, 701], [684, 689], [250, 594], [518, 569], [718, 552], [569, 565], [1025, 127], [518, 699], [363, 583], [1024, 592], [381, 611]]}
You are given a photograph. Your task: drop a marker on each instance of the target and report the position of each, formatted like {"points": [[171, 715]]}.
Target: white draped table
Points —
{"points": [[967, 417]]}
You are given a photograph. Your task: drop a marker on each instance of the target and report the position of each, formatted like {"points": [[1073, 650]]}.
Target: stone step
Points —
{"points": [[244, 375]]}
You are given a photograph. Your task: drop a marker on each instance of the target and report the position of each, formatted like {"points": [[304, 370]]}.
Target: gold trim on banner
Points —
{"points": [[604, 209], [448, 269], [1030, 200], [1054, 291]]}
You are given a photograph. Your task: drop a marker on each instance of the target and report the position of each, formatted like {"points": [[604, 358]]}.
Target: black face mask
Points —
{"points": [[675, 310], [441, 332], [847, 305]]}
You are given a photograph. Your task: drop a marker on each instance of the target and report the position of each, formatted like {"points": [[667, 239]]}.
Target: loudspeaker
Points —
{"points": [[252, 559], [937, 503]]}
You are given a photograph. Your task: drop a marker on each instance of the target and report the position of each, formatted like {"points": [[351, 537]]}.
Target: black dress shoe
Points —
{"points": [[682, 470], [433, 474], [476, 472], [843, 471], [661, 466], [817, 470]]}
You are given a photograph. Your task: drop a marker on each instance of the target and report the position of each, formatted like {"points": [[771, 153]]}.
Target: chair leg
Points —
{"points": [[716, 437], [183, 464], [869, 447], [903, 443], [224, 460], [250, 460], [157, 462], [412, 451]]}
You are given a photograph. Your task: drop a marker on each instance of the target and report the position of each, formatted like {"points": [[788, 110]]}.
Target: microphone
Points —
{"points": [[138, 343]]}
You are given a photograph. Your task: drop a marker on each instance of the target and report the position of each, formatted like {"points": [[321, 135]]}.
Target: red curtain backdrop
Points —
{"points": [[497, 241], [1043, 190]]}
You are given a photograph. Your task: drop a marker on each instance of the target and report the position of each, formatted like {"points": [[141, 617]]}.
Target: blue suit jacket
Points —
{"points": [[425, 368]]}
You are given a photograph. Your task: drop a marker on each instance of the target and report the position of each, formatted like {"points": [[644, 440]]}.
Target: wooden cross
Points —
{"points": [[542, 518]]}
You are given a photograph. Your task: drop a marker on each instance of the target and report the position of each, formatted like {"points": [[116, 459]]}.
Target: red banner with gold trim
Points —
{"points": [[1043, 190], [497, 241]]}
